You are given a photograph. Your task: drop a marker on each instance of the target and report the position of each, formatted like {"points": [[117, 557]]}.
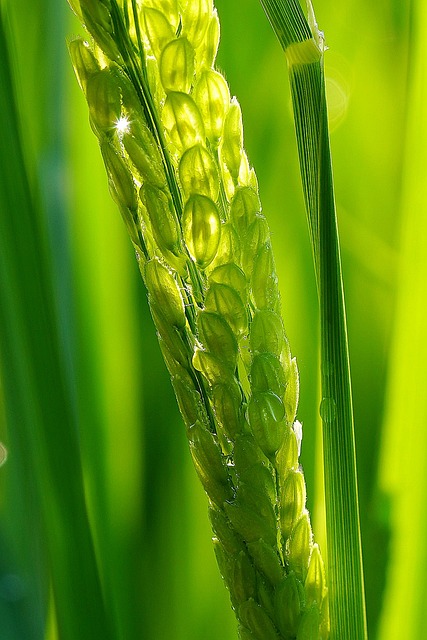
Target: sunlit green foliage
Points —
{"points": [[146, 510]]}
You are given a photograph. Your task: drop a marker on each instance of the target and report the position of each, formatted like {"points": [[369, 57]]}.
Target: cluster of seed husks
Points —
{"points": [[172, 142]]}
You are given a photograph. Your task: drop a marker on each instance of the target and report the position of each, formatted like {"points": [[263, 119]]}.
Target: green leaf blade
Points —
{"points": [[38, 400], [345, 572], [288, 21]]}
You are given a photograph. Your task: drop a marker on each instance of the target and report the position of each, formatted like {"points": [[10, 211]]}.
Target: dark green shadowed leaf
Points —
{"points": [[303, 45], [39, 408]]}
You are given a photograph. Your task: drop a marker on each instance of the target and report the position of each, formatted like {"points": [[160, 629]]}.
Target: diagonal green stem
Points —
{"points": [[304, 51]]}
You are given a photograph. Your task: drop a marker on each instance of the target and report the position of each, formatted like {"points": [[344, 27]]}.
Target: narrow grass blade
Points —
{"points": [[39, 406], [303, 45]]}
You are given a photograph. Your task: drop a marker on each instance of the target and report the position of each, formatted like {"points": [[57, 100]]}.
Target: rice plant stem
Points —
{"points": [[138, 31], [137, 75]]}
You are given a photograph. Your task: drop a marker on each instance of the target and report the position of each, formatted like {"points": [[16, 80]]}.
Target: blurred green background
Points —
{"points": [[118, 446]]}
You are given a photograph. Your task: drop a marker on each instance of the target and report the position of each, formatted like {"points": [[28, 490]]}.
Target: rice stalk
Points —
{"points": [[171, 138]]}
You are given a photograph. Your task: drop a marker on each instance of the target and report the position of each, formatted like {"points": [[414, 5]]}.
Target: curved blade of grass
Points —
{"points": [[39, 405], [303, 46]]}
